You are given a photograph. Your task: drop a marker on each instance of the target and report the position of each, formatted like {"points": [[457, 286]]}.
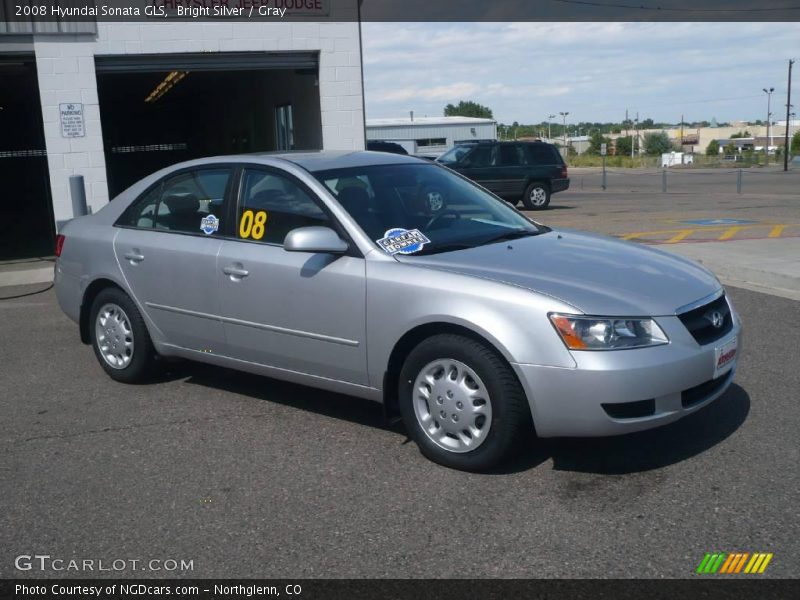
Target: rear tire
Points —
{"points": [[462, 403], [120, 338], [537, 196]]}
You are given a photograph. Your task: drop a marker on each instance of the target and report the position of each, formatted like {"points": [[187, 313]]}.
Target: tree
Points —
{"points": [[657, 143], [624, 145], [596, 139], [713, 148], [795, 147], [741, 134], [729, 149], [468, 109]]}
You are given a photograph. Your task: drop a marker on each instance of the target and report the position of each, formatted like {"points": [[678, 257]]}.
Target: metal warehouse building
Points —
{"points": [[116, 101], [431, 136]]}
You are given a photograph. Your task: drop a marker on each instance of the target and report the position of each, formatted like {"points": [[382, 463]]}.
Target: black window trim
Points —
{"points": [[353, 250], [226, 201]]}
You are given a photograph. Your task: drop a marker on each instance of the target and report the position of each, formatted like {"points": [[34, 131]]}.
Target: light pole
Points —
{"points": [[564, 116], [768, 92], [549, 133]]}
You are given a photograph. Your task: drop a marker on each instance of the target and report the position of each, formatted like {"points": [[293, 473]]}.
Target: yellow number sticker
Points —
{"points": [[252, 225]]}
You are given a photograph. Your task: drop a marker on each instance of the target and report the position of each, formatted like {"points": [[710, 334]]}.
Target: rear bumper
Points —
{"points": [[559, 185], [68, 292], [617, 392]]}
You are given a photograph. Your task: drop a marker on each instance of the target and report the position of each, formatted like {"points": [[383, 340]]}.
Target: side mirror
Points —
{"points": [[315, 240]]}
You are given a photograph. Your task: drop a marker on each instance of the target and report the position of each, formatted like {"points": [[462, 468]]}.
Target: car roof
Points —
{"points": [[324, 160]]}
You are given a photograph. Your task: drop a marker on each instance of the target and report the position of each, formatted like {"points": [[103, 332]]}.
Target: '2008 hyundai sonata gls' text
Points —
{"points": [[398, 280]]}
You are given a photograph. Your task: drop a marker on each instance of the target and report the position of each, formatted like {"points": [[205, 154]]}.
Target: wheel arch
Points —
{"points": [[534, 179], [410, 340], [91, 292]]}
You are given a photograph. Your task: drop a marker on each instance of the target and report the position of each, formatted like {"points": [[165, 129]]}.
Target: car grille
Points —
{"points": [[705, 390], [699, 323]]}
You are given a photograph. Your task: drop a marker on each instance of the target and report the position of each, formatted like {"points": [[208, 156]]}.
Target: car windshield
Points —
{"points": [[455, 154], [424, 208]]}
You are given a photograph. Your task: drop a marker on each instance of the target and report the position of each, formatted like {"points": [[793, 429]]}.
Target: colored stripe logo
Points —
{"points": [[734, 563]]}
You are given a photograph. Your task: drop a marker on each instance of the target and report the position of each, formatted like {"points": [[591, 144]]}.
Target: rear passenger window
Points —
{"points": [[272, 205], [511, 155], [542, 154], [143, 212], [191, 202]]}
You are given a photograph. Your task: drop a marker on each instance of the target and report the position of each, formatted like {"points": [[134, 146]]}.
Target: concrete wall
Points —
{"points": [[66, 73]]}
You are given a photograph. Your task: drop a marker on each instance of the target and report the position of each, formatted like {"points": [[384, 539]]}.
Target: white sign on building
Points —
{"points": [[72, 123]]}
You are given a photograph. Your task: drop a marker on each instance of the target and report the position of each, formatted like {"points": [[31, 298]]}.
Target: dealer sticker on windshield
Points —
{"points": [[725, 357], [403, 241]]}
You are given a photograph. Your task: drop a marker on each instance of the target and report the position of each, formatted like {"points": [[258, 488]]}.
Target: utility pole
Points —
{"points": [[788, 115], [564, 116], [768, 92], [681, 133], [633, 145], [549, 133]]}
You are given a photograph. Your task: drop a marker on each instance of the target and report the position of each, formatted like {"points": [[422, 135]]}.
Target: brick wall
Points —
{"points": [[65, 65]]}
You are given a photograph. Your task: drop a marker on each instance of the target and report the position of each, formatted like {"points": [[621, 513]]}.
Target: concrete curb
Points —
{"points": [[43, 274]]}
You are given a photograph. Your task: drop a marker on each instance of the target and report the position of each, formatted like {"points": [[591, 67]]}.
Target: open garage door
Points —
{"points": [[27, 228], [159, 109]]}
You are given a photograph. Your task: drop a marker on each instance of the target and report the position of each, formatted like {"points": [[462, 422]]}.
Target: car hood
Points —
{"points": [[596, 274]]}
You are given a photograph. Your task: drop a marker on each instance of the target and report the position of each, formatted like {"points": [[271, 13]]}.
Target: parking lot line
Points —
{"points": [[777, 230], [730, 233], [680, 236], [716, 233]]}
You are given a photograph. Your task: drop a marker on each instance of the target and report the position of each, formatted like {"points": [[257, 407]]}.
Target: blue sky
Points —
{"points": [[527, 71]]}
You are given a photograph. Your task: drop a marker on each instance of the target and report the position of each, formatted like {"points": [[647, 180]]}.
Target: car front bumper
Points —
{"points": [[666, 382]]}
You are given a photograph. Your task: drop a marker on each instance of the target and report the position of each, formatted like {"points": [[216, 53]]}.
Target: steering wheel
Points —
{"points": [[448, 212]]}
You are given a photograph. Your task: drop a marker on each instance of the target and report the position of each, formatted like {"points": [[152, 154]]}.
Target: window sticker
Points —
{"points": [[403, 241], [209, 224], [253, 225]]}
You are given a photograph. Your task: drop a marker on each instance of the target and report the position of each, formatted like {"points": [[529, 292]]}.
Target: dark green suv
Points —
{"points": [[530, 171]]}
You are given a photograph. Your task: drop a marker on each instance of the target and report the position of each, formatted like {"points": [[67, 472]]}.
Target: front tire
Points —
{"points": [[462, 404], [537, 196], [120, 338]]}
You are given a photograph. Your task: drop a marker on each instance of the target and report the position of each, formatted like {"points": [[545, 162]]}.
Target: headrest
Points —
{"points": [[182, 204], [354, 199]]}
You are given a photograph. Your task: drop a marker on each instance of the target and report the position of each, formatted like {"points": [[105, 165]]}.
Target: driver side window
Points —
{"points": [[272, 205]]}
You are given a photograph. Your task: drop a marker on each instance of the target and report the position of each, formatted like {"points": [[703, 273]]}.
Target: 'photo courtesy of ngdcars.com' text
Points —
{"points": [[367, 299]]}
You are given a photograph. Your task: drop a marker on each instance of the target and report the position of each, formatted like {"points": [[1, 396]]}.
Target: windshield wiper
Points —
{"points": [[511, 235], [437, 248]]}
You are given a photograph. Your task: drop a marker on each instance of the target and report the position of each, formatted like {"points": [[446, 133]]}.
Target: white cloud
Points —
{"points": [[525, 71]]}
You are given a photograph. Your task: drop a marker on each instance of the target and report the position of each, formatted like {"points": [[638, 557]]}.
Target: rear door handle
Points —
{"points": [[134, 257], [236, 272]]}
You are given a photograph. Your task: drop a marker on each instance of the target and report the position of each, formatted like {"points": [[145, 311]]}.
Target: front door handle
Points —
{"points": [[134, 257], [236, 272]]}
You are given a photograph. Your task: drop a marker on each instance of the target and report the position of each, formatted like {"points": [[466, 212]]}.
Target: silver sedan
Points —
{"points": [[397, 280]]}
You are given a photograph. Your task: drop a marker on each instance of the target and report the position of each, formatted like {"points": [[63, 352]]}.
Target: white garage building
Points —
{"points": [[116, 101], [431, 136]]}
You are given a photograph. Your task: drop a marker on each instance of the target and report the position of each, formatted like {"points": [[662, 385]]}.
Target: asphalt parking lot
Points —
{"points": [[247, 476]]}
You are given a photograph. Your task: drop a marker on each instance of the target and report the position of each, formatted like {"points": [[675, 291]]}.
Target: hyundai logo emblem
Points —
{"points": [[716, 319]]}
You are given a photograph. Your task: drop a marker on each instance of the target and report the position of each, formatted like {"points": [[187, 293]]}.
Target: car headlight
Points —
{"points": [[607, 333]]}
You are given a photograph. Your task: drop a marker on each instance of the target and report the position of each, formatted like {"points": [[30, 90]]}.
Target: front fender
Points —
{"points": [[402, 297]]}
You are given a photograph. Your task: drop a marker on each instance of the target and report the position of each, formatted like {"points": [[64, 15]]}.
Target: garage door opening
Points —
{"points": [[157, 110], [27, 227]]}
